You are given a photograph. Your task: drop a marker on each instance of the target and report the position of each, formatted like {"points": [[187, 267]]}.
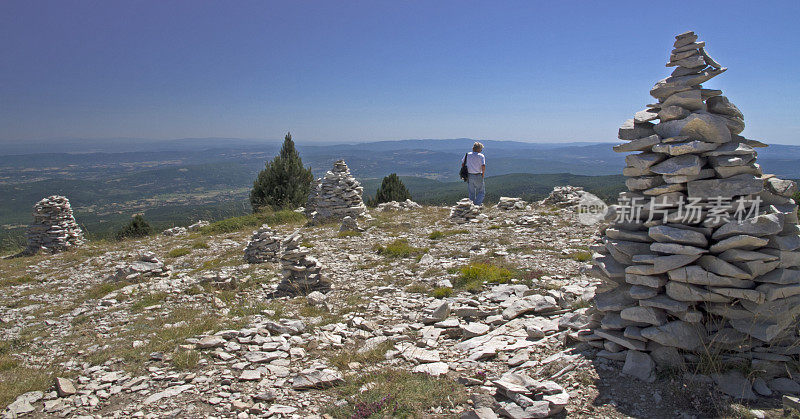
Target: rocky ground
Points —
{"points": [[426, 318]]}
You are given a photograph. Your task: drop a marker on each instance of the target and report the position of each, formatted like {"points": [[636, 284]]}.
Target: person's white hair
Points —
{"points": [[477, 147]]}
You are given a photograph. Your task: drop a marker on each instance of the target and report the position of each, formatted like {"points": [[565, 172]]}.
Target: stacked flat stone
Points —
{"points": [[406, 205], [508, 203], [335, 196], [264, 246], [465, 211], [54, 228], [301, 272], [147, 265], [349, 224], [198, 225], [679, 286], [564, 196], [175, 231]]}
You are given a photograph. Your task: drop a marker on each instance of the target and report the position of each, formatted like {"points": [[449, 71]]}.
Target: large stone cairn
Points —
{"points": [[335, 196], [301, 272], [264, 246], [679, 286], [54, 228]]}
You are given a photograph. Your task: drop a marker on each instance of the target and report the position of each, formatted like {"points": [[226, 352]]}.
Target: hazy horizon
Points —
{"points": [[379, 71]]}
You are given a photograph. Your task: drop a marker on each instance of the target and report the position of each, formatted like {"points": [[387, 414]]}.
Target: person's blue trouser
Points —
{"points": [[476, 188]]}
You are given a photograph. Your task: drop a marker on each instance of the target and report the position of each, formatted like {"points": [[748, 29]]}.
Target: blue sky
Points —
{"points": [[377, 70]]}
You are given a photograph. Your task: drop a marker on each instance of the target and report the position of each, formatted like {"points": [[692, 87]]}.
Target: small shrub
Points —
{"points": [[581, 256], [178, 252], [232, 224], [395, 393], [25, 279], [495, 227], [580, 303], [436, 235], [418, 287], [199, 245], [148, 300], [137, 227], [400, 249], [473, 276], [185, 360], [391, 189], [442, 292], [343, 357]]}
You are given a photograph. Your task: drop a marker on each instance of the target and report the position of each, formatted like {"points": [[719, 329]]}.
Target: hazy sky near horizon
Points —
{"points": [[378, 70]]}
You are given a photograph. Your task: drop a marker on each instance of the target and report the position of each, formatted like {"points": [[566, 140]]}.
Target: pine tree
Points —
{"points": [[284, 183], [136, 227], [392, 189]]}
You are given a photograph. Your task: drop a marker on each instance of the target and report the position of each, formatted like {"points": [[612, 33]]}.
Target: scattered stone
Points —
{"points": [[406, 205]]}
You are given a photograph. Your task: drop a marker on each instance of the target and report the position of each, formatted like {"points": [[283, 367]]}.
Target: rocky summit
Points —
{"points": [[701, 258], [481, 320], [680, 300]]}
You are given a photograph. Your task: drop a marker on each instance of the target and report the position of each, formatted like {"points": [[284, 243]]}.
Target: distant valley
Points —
{"points": [[179, 181]]}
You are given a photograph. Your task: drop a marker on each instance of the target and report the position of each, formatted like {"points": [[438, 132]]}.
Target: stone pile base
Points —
{"points": [[465, 212], [264, 246], [301, 272]]}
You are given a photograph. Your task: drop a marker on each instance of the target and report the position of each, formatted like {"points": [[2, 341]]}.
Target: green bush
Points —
{"points": [[473, 276], [137, 227], [284, 183], [400, 249], [391, 189], [178, 252], [393, 393], [253, 220], [442, 292], [436, 234], [581, 256]]}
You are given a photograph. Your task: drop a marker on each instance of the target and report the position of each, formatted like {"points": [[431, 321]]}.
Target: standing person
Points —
{"points": [[476, 167]]}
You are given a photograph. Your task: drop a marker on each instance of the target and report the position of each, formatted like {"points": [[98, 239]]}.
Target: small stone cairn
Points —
{"points": [[466, 212], [264, 246], [175, 231], [406, 205], [54, 228], [507, 203], [722, 279], [565, 196], [335, 196], [198, 225], [147, 265], [301, 272]]}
